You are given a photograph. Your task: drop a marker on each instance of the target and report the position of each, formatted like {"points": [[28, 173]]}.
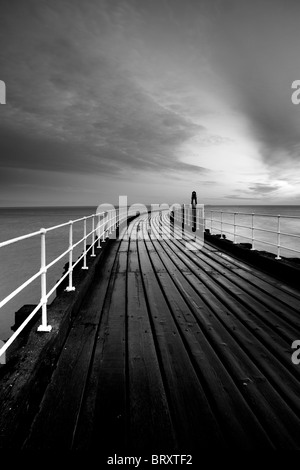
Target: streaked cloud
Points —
{"points": [[150, 96]]}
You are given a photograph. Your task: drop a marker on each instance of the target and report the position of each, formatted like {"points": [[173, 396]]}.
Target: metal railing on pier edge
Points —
{"points": [[217, 224], [103, 223]]}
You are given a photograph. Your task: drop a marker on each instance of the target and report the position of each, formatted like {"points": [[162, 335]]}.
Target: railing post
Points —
{"points": [[44, 326], [3, 355], [234, 228], [93, 237], [70, 286], [278, 238], [110, 221], [84, 244], [99, 243], [221, 224], [104, 228], [252, 231]]}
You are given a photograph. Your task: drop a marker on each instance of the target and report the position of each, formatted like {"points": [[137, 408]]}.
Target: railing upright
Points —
{"points": [[93, 237], [221, 224], [104, 229], [110, 222], [234, 228], [70, 286], [252, 231], [278, 238], [99, 242], [44, 326], [84, 244]]}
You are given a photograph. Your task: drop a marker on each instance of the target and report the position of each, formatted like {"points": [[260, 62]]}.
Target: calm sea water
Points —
{"points": [[21, 260]]}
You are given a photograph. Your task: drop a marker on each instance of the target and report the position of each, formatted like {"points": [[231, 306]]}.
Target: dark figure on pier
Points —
{"points": [[194, 198], [194, 203]]}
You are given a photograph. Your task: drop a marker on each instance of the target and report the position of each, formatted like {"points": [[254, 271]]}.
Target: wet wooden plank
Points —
{"points": [[241, 425], [150, 420], [196, 422], [234, 346], [54, 425], [105, 397]]}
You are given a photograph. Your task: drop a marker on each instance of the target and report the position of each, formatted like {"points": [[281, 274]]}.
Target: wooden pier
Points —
{"points": [[174, 351]]}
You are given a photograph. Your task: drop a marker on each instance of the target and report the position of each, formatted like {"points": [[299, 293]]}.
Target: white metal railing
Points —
{"points": [[218, 223], [191, 216], [106, 222]]}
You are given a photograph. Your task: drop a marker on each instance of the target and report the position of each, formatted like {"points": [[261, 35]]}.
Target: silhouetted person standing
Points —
{"points": [[194, 198], [194, 209]]}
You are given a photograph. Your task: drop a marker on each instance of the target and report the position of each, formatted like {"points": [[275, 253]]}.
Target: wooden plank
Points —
{"points": [[254, 318], [268, 285], [105, 397], [151, 426], [195, 423], [248, 312], [215, 265], [238, 422], [133, 262], [291, 291], [270, 315], [284, 312], [120, 265], [233, 343], [54, 425]]}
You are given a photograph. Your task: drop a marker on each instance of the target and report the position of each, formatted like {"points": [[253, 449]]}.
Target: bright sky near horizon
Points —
{"points": [[149, 99]]}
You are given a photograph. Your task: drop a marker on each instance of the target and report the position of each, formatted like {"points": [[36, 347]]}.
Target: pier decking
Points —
{"points": [[173, 351]]}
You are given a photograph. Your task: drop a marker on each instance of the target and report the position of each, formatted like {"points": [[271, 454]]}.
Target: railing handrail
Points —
{"points": [[255, 213], [104, 229], [54, 227], [277, 232]]}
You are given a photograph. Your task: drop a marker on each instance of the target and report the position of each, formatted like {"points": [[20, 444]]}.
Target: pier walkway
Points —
{"points": [[175, 350]]}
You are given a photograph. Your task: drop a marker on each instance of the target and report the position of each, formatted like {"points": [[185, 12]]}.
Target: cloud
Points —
{"points": [[74, 102], [172, 89], [236, 196], [261, 188], [256, 58], [255, 191]]}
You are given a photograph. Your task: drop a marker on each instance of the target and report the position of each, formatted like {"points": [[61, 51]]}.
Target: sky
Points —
{"points": [[151, 99]]}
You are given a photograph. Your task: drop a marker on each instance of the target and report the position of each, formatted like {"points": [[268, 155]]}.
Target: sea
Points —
{"points": [[21, 260]]}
